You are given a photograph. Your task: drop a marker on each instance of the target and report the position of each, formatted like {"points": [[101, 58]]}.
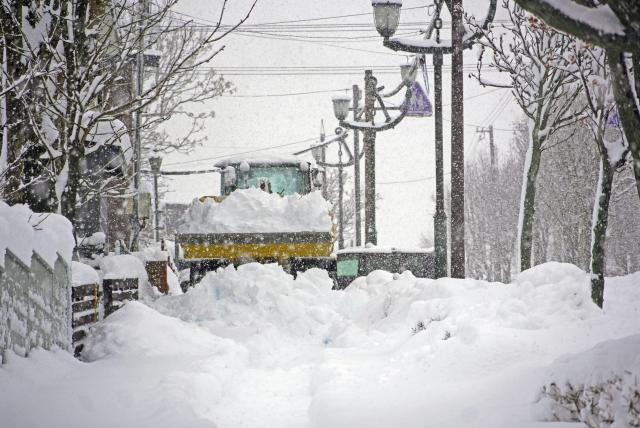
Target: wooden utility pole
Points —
{"points": [[492, 147], [457, 143], [371, 235], [138, 125]]}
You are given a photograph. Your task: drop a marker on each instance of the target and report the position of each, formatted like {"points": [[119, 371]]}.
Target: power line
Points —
{"points": [[333, 91], [290, 94], [242, 153], [317, 43], [415, 180], [293, 21]]}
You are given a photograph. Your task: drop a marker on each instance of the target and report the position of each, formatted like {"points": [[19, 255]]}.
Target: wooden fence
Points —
{"points": [[91, 303], [117, 292], [85, 305]]}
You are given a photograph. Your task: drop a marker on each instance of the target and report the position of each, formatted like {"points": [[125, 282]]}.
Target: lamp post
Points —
{"points": [[341, 107], [387, 18], [318, 151], [155, 161]]}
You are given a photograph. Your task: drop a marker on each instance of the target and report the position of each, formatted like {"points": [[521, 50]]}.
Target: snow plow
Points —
{"points": [[268, 210]]}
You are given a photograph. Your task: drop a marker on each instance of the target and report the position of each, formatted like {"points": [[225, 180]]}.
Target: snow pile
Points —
{"points": [[122, 266], [259, 299], [137, 330], [82, 274], [97, 239], [600, 387], [22, 232], [254, 211]]}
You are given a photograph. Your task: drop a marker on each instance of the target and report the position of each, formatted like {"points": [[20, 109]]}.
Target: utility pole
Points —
{"points": [[440, 217], [457, 143], [492, 147], [371, 235], [369, 128], [356, 166], [143, 5]]}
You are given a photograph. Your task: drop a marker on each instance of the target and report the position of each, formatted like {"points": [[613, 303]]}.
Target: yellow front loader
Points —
{"points": [[295, 251]]}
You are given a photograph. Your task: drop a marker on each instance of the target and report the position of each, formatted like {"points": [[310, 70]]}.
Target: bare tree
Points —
{"points": [[527, 50], [613, 25], [191, 87], [85, 99], [592, 68]]}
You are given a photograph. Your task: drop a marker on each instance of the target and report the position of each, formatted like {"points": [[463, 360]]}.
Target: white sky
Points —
{"points": [[404, 153]]}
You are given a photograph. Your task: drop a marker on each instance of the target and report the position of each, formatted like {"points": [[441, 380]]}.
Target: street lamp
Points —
{"points": [[459, 41], [341, 105], [386, 14], [155, 161]]}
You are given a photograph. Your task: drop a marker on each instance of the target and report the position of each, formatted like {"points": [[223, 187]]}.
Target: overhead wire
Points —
{"points": [[262, 149], [323, 18]]}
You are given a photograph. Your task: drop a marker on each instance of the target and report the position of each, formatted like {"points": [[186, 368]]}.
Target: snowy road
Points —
{"points": [[254, 348]]}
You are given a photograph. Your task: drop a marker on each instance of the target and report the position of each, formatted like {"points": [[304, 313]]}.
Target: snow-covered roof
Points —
{"points": [[259, 160]]}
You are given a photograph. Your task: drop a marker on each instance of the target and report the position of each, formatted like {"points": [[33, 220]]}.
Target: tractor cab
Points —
{"points": [[281, 175]]}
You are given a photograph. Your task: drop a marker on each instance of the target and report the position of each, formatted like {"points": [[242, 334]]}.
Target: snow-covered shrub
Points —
{"points": [[600, 388]]}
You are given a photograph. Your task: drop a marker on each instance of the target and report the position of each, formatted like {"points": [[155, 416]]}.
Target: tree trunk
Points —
{"points": [[599, 229], [528, 197], [627, 107], [13, 189], [69, 198]]}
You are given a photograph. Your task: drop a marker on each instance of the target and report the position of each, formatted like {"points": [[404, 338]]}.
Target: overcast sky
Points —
{"points": [[246, 122]]}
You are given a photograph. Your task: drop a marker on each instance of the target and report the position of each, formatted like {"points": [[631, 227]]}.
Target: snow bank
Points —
{"points": [[253, 347], [253, 210], [22, 231]]}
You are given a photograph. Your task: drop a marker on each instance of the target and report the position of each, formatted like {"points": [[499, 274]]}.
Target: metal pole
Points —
{"points": [[323, 158], [369, 160], [457, 143], [138, 124], [356, 167], [440, 217], [340, 200], [156, 214]]}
